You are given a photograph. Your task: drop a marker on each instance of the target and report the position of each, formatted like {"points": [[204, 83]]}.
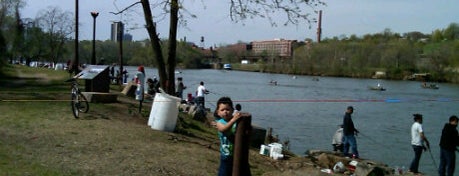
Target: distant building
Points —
{"points": [[127, 37], [117, 30], [276, 48]]}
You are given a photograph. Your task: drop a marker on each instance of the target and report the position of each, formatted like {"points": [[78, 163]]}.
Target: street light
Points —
{"points": [[93, 58]]}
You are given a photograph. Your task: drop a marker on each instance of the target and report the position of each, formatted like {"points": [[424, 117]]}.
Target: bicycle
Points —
{"points": [[78, 101]]}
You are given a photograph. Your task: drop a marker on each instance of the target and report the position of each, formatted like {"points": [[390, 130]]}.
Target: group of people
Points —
{"points": [[344, 138], [115, 75], [153, 87]]}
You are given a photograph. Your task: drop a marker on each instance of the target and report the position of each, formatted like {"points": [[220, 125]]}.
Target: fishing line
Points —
{"points": [[374, 141], [216, 93]]}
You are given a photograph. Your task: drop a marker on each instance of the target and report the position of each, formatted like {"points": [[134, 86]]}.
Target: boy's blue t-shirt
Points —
{"points": [[226, 140]]}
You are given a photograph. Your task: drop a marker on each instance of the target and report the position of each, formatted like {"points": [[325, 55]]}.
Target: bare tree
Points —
{"points": [[240, 10], [58, 26]]}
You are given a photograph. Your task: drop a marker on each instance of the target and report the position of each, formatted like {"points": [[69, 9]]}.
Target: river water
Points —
{"points": [[307, 112]]}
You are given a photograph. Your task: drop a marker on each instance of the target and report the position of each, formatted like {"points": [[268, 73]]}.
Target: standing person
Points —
{"points": [[448, 142], [179, 87], [226, 126], [349, 133], [200, 92], [140, 81], [417, 141], [125, 76], [112, 73], [337, 141]]}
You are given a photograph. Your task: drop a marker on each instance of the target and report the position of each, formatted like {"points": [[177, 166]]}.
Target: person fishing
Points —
{"points": [[349, 133], [449, 142], [418, 139], [200, 92]]}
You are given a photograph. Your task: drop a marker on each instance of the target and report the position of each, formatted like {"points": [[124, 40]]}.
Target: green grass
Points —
{"points": [[40, 136]]}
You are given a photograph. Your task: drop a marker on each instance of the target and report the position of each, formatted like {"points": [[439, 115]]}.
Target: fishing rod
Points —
{"points": [[216, 93], [433, 159]]}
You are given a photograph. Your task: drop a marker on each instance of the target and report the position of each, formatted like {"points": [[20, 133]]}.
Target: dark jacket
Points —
{"points": [[348, 125], [449, 137]]}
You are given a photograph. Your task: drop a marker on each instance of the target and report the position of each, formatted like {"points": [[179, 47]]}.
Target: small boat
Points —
{"points": [[227, 66], [378, 87], [429, 86]]}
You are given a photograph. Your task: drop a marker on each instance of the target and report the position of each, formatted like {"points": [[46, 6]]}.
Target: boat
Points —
{"points": [[429, 86], [227, 66], [378, 87], [273, 83]]}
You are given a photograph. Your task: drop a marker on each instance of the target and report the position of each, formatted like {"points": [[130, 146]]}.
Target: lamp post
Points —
{"points": [[93, 58]]}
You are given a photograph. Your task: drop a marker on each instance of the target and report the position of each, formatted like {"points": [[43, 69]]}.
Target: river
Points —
{"points": [[307, 111]]}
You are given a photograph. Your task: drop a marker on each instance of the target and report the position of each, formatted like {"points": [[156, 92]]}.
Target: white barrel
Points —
{"points": [[164, 112]]}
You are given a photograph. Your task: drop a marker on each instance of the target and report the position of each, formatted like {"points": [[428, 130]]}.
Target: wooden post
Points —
{"points": [[241, 146]]}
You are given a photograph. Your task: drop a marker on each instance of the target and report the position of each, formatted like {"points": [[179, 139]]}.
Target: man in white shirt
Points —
{"points": [[200, 94], [417, 141]]}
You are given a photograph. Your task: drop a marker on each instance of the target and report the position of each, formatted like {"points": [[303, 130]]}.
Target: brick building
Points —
{"points": [[277, 48]]}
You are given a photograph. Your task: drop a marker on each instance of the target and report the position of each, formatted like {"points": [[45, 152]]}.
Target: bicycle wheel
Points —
{"points": [[75, 104], [83, 105]]}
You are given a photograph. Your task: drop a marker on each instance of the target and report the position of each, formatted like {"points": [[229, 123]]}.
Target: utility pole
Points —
{"points": [[120, 34], [76, 63]]}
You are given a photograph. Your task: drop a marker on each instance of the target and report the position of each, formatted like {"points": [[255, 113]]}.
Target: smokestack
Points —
{"points": [[319, 27]]}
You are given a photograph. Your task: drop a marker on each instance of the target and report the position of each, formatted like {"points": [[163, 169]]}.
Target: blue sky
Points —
{"points": [[339, 18]]}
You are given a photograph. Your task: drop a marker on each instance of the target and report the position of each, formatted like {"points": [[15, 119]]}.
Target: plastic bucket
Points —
{"points": [[164, 112]]}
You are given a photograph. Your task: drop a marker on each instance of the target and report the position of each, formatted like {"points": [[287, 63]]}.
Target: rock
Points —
{"points": [[370, 168], [327, 159]]}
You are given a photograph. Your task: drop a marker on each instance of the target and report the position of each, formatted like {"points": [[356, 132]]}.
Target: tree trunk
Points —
{"points": [[166, 77], [172, 47], [155, 42]]}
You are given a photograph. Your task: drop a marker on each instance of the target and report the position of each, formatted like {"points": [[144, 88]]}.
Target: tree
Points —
{"points": [[58, 25], [10, 23], [239, 11]]}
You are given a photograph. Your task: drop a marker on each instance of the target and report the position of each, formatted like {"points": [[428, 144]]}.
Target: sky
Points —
{"points": [[339, 18]]}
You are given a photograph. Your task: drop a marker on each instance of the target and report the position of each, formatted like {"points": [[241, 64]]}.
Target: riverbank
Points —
{"points": [[366, 74], [39, 136]]}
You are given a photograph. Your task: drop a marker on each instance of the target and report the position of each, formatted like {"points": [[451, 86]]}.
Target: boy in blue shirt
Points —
{"points": [[226, 126]]}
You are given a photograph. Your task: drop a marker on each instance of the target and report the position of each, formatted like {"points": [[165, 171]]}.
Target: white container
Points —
{"points": [[164, 112], [275, 148], [277, 156], [264, 150]]}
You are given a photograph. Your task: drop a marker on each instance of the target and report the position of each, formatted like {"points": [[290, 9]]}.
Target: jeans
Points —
{"points": [[349, 141], [200, 101], [447, 162], [226, 166], [417, 156]]}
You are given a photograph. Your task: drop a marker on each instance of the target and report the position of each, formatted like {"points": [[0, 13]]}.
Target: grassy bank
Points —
{"points": [[39, 135]]}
